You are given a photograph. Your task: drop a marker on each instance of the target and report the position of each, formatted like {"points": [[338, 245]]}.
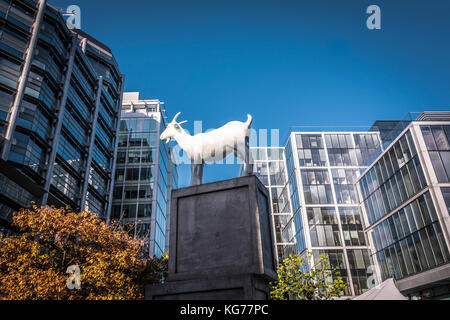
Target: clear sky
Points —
{"points": [[286, 62]]}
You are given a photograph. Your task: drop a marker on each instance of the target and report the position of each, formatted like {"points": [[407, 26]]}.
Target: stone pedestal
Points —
{"points": [[221, 243]]}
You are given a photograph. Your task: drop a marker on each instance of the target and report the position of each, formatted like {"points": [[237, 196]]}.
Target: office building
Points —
{"points": [[60, 97], [145, 174], [269, 165], [314, 201], [405, 198]]}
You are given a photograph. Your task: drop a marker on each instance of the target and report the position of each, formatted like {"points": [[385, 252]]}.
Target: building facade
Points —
{"points": [[145, 174], [322, 168], [60, 97], [270, 166], [405, 198], [314, 200]]}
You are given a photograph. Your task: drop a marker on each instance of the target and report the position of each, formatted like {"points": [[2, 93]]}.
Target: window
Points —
{"points": [[120, 174], [275, 154], [132, 174], [343, 180], [276, 169], [311, 152], [337, 261], [312, 157], [258, 154], [25, 150], [446, 194], [437, 140], [117, 193], [146, 191], [395, 178], [324, 227], [97, 181], [95, 204], [260, 170], [130, 192], [352, 226], [280, 200], [65, 182], [410, 240], [317, 187], [147, 155], [359, 262], [70, 153], [128, 211], [134, 156], [144, 210], [121, 157]]}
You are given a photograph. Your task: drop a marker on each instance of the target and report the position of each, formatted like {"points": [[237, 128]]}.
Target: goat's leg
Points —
{"points": [[241, 155], [248, 168], [242, 152], [194, 179], [196, 173], [200, 172]]}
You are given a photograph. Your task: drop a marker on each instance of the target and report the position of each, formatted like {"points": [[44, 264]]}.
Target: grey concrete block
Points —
{"points": [[244, 287], [220, 230], [221, 227]]}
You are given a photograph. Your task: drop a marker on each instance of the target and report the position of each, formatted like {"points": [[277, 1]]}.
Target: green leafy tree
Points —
{"points": [[301, 279]]}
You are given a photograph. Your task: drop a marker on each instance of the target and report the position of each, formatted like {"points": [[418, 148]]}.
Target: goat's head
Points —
{"points": [[172, 129]]}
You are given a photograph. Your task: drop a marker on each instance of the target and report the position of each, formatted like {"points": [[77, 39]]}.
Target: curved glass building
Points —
{"points": [[60, 99]]}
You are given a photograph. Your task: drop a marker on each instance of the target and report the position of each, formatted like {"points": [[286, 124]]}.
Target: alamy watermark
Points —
{"points": [[374, 20], [73, 16], [258, 138], [74, 279], [372, 281]]}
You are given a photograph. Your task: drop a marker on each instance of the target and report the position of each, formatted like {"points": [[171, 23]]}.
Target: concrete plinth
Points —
{"points": [[221, 243]]}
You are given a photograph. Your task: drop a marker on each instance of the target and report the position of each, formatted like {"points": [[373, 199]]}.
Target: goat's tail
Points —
{"points": [[249, 121]]}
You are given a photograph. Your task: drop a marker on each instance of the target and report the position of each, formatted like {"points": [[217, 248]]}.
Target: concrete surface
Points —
{"points": [[221, 242]]}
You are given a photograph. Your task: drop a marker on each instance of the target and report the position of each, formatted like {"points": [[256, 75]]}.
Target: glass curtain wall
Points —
{"points": [[404, 226], [145, 175], [135, 174], [410, 240], [328, 166], [315, 207], [269, 166], [392, 180], [58, 118]]}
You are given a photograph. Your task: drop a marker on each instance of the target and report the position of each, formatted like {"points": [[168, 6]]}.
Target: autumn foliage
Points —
{"points": [[34, 263]]}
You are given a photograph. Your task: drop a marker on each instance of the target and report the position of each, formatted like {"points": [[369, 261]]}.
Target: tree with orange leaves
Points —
{"points": [[61, 254]]}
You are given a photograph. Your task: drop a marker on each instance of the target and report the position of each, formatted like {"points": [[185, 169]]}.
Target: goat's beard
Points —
{"points": [[167, 140]]}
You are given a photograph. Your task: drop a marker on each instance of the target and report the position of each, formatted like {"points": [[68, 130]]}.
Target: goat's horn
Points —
{"points": [[183, 122], [176, 116]]}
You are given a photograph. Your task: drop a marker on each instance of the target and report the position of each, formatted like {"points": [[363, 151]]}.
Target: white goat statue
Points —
{"points": [[211, 146]]}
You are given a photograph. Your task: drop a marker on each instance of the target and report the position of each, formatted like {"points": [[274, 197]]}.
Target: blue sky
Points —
{"points": [[286, 62]]}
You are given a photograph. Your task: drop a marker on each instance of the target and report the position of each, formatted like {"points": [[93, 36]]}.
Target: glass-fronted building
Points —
{"points": [[314, 200], [405, 199], [145, 174], [322, 169], [269, 165], [60, 96]]}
